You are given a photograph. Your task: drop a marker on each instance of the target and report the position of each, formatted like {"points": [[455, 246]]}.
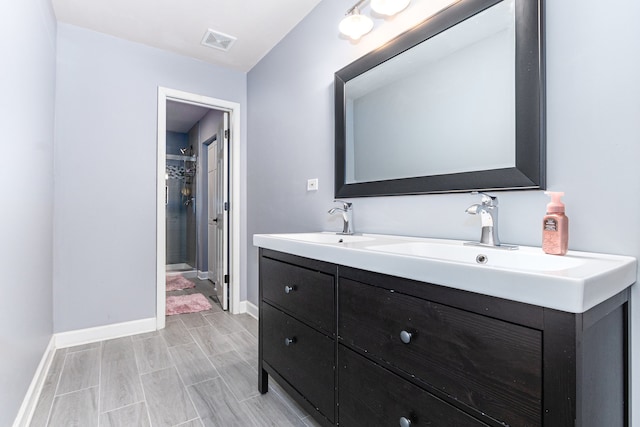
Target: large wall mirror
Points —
{"points": [[455, 104]]}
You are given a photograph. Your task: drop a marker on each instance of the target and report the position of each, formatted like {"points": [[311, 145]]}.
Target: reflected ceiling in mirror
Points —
{"points": [[400, 112], [452, 105]]}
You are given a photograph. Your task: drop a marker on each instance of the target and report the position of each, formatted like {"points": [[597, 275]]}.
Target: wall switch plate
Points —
{"points": [[312, 184]]}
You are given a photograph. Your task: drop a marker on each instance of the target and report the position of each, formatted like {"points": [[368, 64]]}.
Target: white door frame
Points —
{"points": [[233, 108]]}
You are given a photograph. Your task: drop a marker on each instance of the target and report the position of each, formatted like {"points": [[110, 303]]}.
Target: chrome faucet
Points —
{"points": [[488, 211], [347, 216]]}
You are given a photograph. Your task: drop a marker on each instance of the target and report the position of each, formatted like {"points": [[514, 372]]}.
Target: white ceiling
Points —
{"points": [[179, 26]]}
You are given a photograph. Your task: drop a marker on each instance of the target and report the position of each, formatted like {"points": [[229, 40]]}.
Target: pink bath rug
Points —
{"points": [[181, 304], [177, 282]]}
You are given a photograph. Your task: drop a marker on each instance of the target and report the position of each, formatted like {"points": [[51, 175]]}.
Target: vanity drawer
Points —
{"points": [[306, 293], [487, 364], [302, 356], [372, 396]]}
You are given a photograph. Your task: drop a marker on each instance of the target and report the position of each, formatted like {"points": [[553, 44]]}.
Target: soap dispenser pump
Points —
{"points": [[555, 226]]}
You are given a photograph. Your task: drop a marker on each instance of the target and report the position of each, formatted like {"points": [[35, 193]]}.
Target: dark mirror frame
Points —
{"points": [[530, 169]]}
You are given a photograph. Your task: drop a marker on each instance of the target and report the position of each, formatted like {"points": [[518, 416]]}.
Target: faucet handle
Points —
{"points": [[345, 205], [487, 199]]}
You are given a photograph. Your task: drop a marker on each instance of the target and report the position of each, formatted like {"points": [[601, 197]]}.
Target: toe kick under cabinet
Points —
{"points": [[357, 348]]}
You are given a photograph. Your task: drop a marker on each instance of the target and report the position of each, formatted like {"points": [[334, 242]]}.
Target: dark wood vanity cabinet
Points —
{"points": [[409, 353], [297, 325], [371, 395], [480, 361]]}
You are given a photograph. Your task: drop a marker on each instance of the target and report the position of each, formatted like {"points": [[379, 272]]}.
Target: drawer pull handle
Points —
{"points": [[289, 341], [405, 337], [405, 422], [288, 289]]}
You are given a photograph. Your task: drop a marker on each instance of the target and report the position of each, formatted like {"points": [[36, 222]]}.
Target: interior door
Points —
{"points": [[222, 211], [212, 188]]}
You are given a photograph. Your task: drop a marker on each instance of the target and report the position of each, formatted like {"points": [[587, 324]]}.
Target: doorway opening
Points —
{"points": [[192, 220]]}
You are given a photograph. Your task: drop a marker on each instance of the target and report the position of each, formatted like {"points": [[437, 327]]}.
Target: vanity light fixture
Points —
{"points": [[354, 24]]}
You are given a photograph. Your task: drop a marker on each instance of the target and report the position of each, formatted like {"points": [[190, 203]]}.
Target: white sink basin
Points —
{"points": [[528, 259], [575, 282]]}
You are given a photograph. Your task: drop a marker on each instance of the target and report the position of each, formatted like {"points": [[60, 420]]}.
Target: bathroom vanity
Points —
{"points": [[361, 333]]}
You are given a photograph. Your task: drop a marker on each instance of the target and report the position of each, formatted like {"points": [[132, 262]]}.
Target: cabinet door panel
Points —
{"points": [[372, 396], [308, 294], [302, 356], [490, 365]]}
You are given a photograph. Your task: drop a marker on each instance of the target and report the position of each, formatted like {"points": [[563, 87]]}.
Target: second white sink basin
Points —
{"points": [[528, 259]]}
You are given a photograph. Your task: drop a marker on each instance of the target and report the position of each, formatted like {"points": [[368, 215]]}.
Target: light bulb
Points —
{"points": [[389, 7], [355, 25]]}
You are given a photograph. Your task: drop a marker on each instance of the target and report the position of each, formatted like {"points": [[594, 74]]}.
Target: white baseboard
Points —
{"points": [[250, 309], [203, 275], [117, 330], [190, 274], [33, 392], [246, 307]]}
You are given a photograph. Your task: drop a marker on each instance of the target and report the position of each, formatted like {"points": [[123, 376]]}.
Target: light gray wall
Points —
{"points": [[209, 126], [105, 171], [593, 134], [27, 84]]}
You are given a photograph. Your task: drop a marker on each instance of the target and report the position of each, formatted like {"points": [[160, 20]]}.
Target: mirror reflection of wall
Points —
{"points": [[445, 106], [455, 104]]}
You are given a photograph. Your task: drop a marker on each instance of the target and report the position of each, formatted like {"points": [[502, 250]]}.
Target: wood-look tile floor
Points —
{"points": [[200, 371]]}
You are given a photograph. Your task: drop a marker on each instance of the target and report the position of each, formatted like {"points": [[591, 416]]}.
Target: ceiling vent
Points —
{"points": [[218, 40]]}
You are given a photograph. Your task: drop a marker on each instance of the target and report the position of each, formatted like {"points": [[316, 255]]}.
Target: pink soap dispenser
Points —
{"points": [[555, 226]]}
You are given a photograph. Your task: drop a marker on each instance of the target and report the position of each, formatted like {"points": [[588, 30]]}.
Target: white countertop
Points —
{"points": [[574, 283]]}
